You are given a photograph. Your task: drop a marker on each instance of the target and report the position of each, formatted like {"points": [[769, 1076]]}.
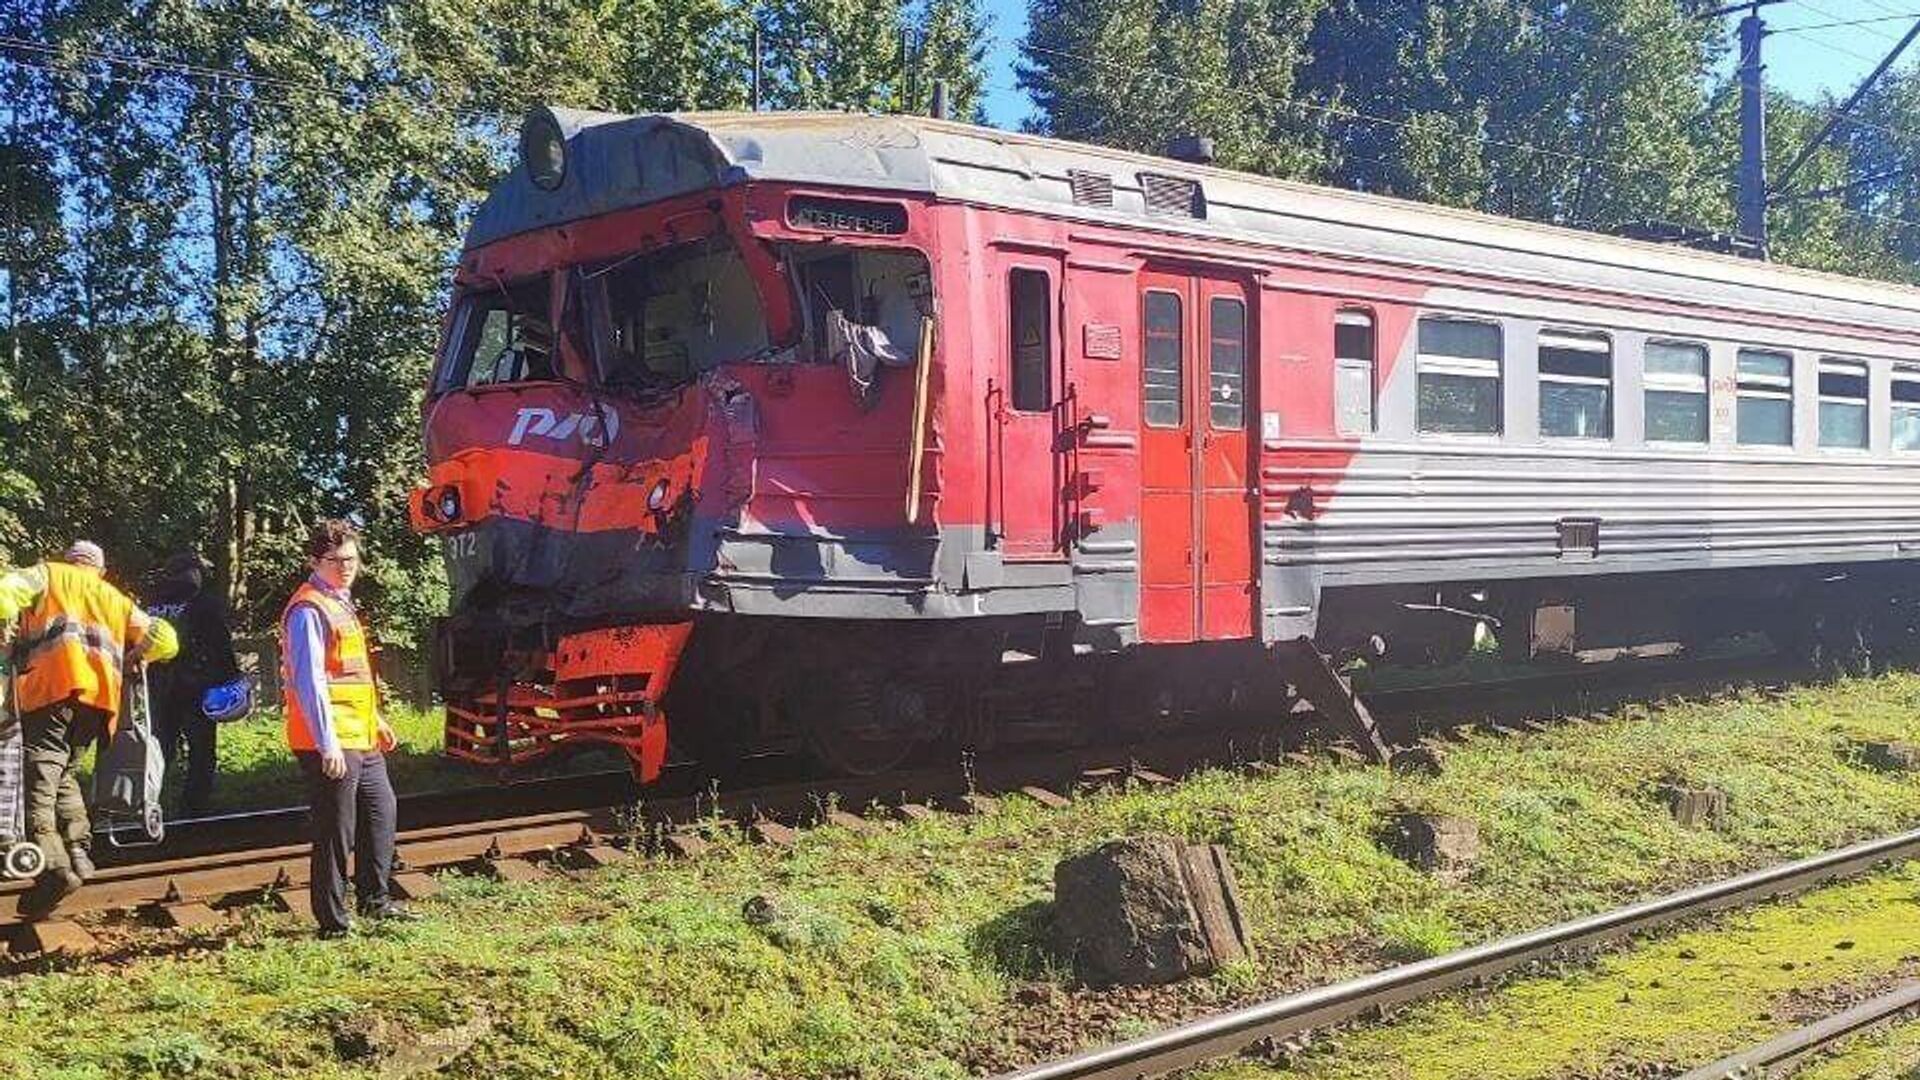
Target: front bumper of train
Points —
{"points": [[570, 603]]}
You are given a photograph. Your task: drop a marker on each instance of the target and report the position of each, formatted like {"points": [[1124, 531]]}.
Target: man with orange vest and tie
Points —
{"points": [[335, 730], [76, 636]]}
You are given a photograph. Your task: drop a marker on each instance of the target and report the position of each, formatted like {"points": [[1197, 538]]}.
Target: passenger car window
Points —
{"points": [[1459, 377], [1163, 364], [1576, 385], [1906, 406], [1031, 318], [1843, 403], [1763, 416], [1227, 364], [1353, 372], [1675, 374]]}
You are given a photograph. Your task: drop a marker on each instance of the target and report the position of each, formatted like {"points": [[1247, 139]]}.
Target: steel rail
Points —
{"points": [[241, 830], [1406, 713], [1223, 1034], [496, 829], [1756, 1062]]}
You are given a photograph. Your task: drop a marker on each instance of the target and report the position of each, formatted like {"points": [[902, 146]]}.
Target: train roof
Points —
{"points": [[616, 161]]}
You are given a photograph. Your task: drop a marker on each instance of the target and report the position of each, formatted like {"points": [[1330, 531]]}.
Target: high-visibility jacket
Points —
{"points": [[350, 693], [72, 642]]}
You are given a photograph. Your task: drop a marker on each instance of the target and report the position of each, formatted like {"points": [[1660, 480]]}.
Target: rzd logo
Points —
{"points": [[594, 429]]}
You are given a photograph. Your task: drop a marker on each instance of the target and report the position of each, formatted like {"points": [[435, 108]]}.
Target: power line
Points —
{"points": [[1849, 22], [1819, 10], [1339, 112], [1354, 115], [362, 97]]}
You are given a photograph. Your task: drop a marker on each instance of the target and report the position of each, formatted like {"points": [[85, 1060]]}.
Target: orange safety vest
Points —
{"points": [[72, 645], [350, 692]]}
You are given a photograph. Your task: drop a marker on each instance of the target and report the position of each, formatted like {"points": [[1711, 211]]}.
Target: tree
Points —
{"points": [[1135, 76], [1582, 114], [244, 219], [951, 48]]}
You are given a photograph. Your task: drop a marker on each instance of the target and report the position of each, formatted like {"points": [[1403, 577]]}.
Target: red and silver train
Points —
{"points": [[856, 434]]}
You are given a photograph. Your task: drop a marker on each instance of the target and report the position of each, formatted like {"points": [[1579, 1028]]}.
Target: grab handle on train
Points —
{"points": [[923, 377]]}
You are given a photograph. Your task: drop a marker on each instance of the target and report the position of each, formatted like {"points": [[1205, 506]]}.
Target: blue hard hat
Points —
{"points": [[228, 701]]}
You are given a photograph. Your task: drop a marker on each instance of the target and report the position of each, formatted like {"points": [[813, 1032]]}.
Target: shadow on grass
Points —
{"points": [[1015, 943]]}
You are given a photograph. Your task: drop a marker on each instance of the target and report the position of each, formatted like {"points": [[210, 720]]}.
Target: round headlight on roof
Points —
{"points": [[543, 149]]}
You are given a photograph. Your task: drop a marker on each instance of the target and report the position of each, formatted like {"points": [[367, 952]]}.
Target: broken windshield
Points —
{"points": [[500, 334], [661, 318]]}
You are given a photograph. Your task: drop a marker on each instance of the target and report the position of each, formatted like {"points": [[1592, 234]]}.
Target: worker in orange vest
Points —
{"points": [[76, 637], [335, 731]]}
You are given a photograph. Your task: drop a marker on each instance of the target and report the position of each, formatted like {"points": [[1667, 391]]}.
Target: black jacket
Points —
{"points": [[206, 641]]}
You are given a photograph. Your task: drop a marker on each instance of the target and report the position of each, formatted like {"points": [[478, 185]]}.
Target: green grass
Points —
{"points": [[257, 771], [911, 952], [1685, 1000]]}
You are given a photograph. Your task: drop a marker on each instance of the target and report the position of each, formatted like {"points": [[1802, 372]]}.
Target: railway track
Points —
{"points": [[1278, 1019], [535, 829], [1777, 1056]]}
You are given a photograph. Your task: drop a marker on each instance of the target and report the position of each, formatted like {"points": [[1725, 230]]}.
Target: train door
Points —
{"points": [[1026, 500], [1196, 506]]}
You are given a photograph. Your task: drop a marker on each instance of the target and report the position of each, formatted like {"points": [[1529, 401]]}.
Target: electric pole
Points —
{"points": [[1753, 131], [1752, 201]]}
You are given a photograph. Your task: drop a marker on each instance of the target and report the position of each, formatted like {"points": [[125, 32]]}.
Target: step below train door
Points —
{"points": [[1025, 407], [1196, 508]]}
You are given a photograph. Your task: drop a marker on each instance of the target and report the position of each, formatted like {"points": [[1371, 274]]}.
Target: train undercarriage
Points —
{"points": [[864, 698]]}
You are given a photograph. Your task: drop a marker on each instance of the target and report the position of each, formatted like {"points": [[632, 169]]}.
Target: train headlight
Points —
{"points": [[657, 498], [543, 149]]}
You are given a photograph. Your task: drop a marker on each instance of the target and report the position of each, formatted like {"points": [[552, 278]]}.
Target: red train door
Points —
{"points": [[1025, 501], [1196, 511]]}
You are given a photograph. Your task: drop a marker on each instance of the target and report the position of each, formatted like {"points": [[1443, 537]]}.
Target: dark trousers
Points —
{"points": [[354, 813], [175, 721], [56, 811]]}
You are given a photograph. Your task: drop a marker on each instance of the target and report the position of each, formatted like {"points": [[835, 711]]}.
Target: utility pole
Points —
{"points": [[1753, 131], [1752, 202], [756, 63], [908, 97]]}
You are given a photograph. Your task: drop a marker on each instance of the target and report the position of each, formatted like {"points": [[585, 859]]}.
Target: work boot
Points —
{"points": [[81, 860], [391, 911], [48, 890]]}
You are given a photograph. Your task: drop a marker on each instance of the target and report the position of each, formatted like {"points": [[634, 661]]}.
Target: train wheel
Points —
{"points": [[854, 724]]}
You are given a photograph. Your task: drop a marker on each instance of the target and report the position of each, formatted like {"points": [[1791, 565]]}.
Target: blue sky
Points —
{"points": [[1804, 63]]}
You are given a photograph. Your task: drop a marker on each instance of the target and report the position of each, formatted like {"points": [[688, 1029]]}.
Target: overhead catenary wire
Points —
{"points": [[1340, 112], [1876, 20], [362, 96], [1827, 13]]}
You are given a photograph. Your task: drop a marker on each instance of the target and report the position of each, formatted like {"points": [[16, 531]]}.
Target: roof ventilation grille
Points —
{"points": [[1091, 188], [1172, 196]]}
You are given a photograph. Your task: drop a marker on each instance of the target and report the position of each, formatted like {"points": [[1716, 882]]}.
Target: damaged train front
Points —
{"points": [[579, 421]]}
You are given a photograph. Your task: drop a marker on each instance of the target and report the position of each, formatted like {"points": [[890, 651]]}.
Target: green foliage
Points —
{"points": [[1596, 115], [1136, 75], [231, 287]]}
